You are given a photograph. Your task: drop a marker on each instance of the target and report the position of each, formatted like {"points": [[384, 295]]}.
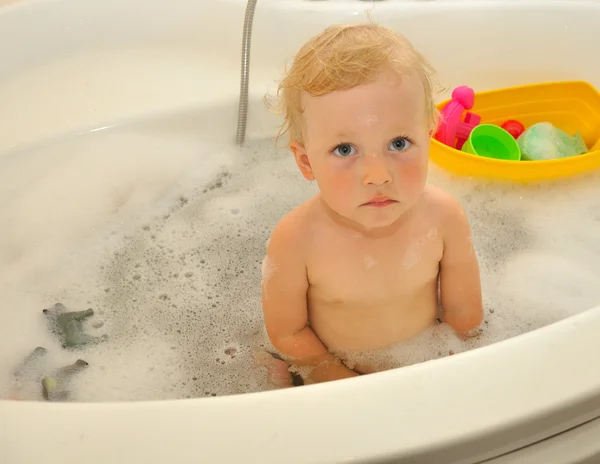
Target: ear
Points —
{"points": [[435, 124], [433, 129], [302, 160]]}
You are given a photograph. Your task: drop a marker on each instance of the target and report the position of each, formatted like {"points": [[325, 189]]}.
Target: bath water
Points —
{"points": [[163, 235]]}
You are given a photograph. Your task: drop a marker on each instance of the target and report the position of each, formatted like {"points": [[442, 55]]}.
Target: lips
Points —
{"points": [[380, 202]]}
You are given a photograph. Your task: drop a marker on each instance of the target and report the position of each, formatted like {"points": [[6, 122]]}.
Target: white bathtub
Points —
{"points": [[69, 64]]}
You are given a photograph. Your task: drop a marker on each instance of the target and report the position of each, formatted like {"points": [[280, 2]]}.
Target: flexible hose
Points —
{"points": [[245, 75]]}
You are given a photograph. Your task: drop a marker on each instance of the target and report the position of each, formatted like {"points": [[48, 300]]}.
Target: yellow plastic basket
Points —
{"points": [[573, 106]]}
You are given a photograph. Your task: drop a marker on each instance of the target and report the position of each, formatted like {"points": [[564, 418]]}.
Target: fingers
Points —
{"points": [[468, 335], [278, 370], [280, 378]]}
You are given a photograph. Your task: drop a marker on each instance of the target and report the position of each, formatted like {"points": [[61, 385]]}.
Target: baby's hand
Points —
{"points": [[278, 369], [464, 336]]}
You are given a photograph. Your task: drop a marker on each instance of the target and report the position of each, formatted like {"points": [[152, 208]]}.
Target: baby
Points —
{"points": [[361, 266]]}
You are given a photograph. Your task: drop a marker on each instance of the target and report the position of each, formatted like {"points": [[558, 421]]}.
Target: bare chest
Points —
{"points": [[351, 270]]}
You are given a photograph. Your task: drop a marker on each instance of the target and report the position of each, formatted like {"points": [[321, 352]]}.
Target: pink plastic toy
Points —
{"points": [[453, 130]]}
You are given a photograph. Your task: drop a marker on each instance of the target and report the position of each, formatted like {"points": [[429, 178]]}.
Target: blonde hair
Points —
{"points": [[342, 57]]}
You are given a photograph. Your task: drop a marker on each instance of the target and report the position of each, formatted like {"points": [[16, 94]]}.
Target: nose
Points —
{"points": [[376, 170]]}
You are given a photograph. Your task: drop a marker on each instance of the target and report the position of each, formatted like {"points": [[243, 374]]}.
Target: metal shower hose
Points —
{"points": [[245, 76]]}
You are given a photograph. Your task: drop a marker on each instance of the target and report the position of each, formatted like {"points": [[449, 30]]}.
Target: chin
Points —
{"points": [[378, 223]]}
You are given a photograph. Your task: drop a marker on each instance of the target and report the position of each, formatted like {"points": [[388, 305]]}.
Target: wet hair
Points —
{"points": [[342, 57]]}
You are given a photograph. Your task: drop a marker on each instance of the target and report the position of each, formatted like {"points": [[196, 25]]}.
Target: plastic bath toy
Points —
{"points": [[54, 387], [543, 141], [492, 141], [453, 130], [571, 106], [30, 360], [28, 369], [514, 128], [69, 326]]}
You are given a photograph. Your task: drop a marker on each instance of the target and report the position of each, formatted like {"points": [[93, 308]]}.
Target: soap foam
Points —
{"points": [[164, 237]]}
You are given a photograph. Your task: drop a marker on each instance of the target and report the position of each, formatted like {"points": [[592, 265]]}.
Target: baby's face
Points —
{"points": [[368, 148]]}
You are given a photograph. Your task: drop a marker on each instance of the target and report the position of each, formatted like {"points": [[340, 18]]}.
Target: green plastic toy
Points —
{"points": [[69, 326], [54, 387], [491, 141]]}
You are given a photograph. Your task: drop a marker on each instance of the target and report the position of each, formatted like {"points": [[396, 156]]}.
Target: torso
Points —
{"points": [[367, 293]]}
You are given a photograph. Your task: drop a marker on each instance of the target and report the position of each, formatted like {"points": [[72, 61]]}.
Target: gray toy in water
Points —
{"points": [[69, 325], [55, 387]]}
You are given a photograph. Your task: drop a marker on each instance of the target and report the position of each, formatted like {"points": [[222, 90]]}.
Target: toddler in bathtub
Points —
{"points": [[361, 266]]}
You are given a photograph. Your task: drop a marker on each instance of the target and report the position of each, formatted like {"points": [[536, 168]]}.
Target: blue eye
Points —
{"points": [[400, 144], [344, 150]]}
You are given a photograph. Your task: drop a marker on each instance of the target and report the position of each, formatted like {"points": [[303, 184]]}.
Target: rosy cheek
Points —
{"points": [[337, 185], [412, 170], [340, 183], [412, 176]]}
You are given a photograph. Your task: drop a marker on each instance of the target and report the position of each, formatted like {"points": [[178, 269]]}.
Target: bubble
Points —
{"points": [[231, 352]]}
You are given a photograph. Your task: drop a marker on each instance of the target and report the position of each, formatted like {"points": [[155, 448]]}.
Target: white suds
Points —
{"points": [[164, 238]]}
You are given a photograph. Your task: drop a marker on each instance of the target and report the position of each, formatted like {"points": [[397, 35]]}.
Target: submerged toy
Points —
{"points": [[453, 130], [54, 388], [69, 325], [543, 141], [28, 369], [29, 361]]}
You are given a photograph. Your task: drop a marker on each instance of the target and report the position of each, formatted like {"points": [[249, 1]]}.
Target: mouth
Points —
{"points": [[380, 202]]}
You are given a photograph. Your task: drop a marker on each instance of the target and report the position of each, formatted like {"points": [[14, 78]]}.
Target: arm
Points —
{"points": [[460, 284], [284, 288]]}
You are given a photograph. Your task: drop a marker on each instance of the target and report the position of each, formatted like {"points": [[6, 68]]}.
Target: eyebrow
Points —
{"points": [[344, 134], [349, 134]]}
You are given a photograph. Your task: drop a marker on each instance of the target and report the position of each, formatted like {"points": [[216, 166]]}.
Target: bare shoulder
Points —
{"points": [[444, 207], [291, 232]]}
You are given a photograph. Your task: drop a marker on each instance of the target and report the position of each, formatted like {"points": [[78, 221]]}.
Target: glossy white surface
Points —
{"points": [[84, 63], [578, 445]]}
